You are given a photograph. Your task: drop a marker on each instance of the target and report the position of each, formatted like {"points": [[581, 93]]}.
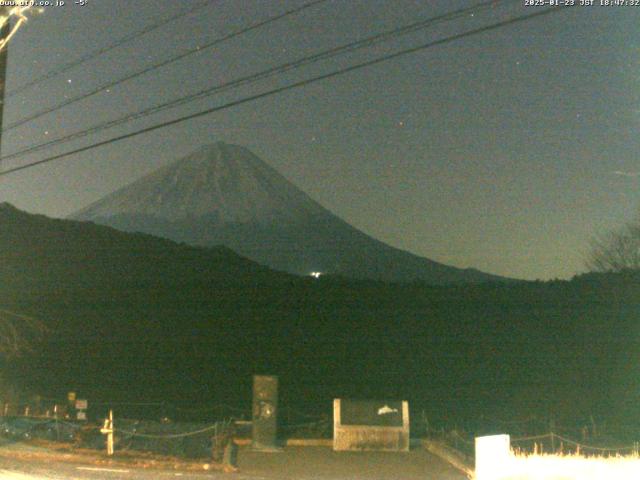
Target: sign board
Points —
{"points": [[371, 412], [82, 415], [370, 425], [81, 404], [71, 396]]}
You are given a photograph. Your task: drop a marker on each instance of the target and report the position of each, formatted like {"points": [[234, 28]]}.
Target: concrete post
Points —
{"points": [[493, 456], [265, 413]]}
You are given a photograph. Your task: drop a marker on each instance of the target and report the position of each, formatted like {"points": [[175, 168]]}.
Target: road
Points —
{"points": [[294, 463], [11, 469], [18, 469]]}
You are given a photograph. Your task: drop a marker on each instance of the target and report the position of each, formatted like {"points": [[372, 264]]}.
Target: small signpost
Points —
{"points": [[81, 409], [107, 429]]}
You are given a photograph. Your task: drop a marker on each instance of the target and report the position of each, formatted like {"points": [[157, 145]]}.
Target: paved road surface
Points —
{"points": [[37, 470], [294, 463]]}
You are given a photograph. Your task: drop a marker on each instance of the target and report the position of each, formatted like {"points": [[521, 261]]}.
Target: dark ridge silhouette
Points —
{"points": [[133, 317]]}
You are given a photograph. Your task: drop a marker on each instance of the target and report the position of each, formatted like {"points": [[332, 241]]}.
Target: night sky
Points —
{"points": [[505, 151]]}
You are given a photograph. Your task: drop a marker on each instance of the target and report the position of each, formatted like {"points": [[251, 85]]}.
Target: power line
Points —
{"points": [[161, 64], [91, 55], [291, 86], [324, 55]]}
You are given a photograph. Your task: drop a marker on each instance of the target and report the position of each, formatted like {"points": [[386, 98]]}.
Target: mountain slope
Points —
{"points": [[145, 310], [223, 194], [40, 255]]}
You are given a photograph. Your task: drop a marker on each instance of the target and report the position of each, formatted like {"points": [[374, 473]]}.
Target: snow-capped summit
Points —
{"points": [[225, 182]]}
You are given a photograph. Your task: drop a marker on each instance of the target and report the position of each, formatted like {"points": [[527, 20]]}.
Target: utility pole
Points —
{"points": [[4, 33]]}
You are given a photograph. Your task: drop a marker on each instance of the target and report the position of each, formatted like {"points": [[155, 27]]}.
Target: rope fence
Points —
{"points": [[168, 436], [55, 424], [557, 443], [578, 445]]}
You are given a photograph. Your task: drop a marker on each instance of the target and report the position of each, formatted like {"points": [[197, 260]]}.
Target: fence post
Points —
{"points": [[110, 435], [230, 455], [108, 429], [493, 455], [425, 422], [594, 428]]}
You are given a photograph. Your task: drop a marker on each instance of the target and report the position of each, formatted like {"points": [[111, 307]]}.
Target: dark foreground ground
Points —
{"points": [[322, 463], [301, 463]]}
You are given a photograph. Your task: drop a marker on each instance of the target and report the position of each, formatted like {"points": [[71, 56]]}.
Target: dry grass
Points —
{"points": [[569, 467]]}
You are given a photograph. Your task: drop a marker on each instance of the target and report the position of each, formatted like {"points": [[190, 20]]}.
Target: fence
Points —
{"points": [[183, 439], [55, 408], [496, 460], [545, 443], [191, 431], [26, 428], [562, 445]]}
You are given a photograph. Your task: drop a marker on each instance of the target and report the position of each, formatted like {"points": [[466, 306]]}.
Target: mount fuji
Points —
{"points": [[223, 194]]}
